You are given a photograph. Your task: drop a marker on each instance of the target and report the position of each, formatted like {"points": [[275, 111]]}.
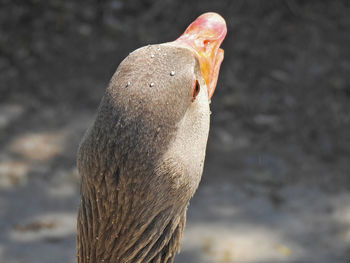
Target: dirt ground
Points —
{"points": [[277, 175]]}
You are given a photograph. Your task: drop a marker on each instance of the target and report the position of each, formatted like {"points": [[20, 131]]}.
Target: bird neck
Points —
{"points": [[121, 219], [133, 200]]}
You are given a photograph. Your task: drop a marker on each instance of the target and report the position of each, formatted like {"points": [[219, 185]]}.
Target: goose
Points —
{"points": [[142, 159]]}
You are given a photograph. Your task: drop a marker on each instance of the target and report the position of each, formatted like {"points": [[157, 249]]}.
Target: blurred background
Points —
{"points": [[277, 175]]}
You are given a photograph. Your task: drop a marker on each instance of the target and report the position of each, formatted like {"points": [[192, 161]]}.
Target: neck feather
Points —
{"points": [[117, 223]]}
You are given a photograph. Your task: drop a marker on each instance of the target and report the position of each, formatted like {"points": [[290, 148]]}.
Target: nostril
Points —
{"points": [[206, 42], [196, 90]]}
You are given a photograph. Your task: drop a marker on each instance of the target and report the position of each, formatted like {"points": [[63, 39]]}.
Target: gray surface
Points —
{"points": [[251, 206]]}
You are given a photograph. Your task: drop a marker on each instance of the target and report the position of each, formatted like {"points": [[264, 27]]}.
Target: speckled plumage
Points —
{"points": [[142, 159]]}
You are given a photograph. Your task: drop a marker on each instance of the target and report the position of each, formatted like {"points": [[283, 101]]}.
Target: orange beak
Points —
{"points": [[204, 37]]}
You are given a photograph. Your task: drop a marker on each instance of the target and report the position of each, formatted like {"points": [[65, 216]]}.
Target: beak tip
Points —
{"points": [[213, 17], [213, 22]]}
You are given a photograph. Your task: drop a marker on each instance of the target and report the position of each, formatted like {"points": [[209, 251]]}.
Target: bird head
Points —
{"points": [[160, 94]]}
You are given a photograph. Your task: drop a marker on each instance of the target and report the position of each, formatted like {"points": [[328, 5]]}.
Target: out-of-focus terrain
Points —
{"points": [[277, 176]]}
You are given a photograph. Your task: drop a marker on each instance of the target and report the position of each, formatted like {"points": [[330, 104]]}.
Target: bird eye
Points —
{"points": [[196, 89]]}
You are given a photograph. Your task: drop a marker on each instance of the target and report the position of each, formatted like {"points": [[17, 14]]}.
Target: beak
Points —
{"points": [[204, 37]]}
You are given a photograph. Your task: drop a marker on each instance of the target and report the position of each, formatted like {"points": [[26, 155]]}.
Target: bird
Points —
{"points": [[142, 159]]}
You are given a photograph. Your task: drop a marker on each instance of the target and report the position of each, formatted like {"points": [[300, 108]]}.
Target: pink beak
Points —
{"points": [[204, 37]]}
